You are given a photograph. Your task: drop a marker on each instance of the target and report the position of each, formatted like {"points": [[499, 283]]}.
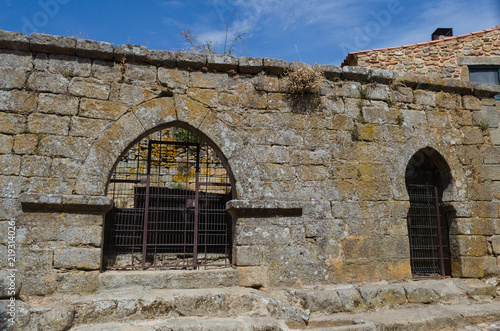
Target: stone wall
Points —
{"points": [[320, 179], [445, 58]]}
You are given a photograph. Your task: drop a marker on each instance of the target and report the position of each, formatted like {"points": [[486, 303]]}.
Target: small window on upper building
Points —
{"points": [[485, 74]]}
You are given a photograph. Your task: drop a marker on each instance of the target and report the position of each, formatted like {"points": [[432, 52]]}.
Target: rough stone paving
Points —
{"points": [[320, 196]]}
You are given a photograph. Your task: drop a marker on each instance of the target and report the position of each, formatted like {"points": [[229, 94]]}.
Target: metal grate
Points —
{"points": [[428, 232], [170, 209]]}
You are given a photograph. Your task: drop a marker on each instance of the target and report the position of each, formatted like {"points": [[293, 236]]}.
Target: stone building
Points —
{"points": [[471, 57], [128, 158]]}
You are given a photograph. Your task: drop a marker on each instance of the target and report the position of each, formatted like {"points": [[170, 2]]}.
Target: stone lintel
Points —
{"points": [[479, 60], [264, 208], [65, 203]]}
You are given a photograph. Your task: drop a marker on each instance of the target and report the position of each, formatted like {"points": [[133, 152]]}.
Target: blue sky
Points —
{"points": [[315, 31]]}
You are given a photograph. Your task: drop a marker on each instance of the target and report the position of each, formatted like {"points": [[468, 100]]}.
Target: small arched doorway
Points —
{"points": [[169, 191], [427, 176]]}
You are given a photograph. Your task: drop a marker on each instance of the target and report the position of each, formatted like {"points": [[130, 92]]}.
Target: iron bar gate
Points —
{"points": [[170, 218], [428, 232]]}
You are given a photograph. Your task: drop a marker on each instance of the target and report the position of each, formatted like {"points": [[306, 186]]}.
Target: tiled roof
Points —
{"points": [[351, 55]]}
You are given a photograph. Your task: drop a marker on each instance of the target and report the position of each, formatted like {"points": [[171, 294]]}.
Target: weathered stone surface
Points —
{"points": [[128, 52], [22, 313], [381, 76], [46, 82], [253, 276], [351, 299], [468, 245], [10, 164], [250, 65], [425, 98], [21, 61], [57, 104], [94, 49], [323, 301], [48, 124], [87, 127], [45, 43], [162, 58], [11, 186], [331, 72], [471, 102], [191, 60], [10, 279], [18, 101], [209, 80], [140, 72], [377, 296], [69, 66], [70, 147], [12, 123], [173, 77], [249, 255], [6, 143], [33, 165], [77, 258], [89, 88], [222, 62], [14, 40], [12, 78], [101, 109], [469, 267], [416, 293], [355, 73], [106, 70], [274, 66], [25, 143], [137, 93], [476, 226]]}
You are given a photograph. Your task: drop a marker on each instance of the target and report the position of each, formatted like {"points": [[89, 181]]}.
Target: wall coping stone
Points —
{"points": [[94, 49], [264, 208], [46, 43], [14, 40], [222, 62], [136, 53], [65, 203], [39, 42]]}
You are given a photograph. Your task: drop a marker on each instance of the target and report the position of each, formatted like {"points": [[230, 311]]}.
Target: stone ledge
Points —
{"points": [[264, 208], [65, 203]]}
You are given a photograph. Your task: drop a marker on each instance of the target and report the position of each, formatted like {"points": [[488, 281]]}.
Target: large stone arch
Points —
{"points": [[144, 119]]}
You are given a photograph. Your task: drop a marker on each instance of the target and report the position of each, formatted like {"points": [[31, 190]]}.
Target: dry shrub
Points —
{"points": [[304, 80]]}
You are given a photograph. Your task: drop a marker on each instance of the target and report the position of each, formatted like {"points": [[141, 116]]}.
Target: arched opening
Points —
{"points": [[170, 191], [427, 177]]}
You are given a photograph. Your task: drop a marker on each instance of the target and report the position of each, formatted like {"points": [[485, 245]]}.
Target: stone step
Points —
{"points": [[350, 298], [435, 317], [227, 324], [134, 302], [109, 307], [429, 318], [167, 279]]}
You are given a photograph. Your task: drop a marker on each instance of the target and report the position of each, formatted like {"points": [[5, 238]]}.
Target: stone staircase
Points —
{"points": [[211, 300]]}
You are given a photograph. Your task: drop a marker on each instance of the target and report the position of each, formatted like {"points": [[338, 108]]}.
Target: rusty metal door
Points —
{"points": [[428, 232], [176, 220]]}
